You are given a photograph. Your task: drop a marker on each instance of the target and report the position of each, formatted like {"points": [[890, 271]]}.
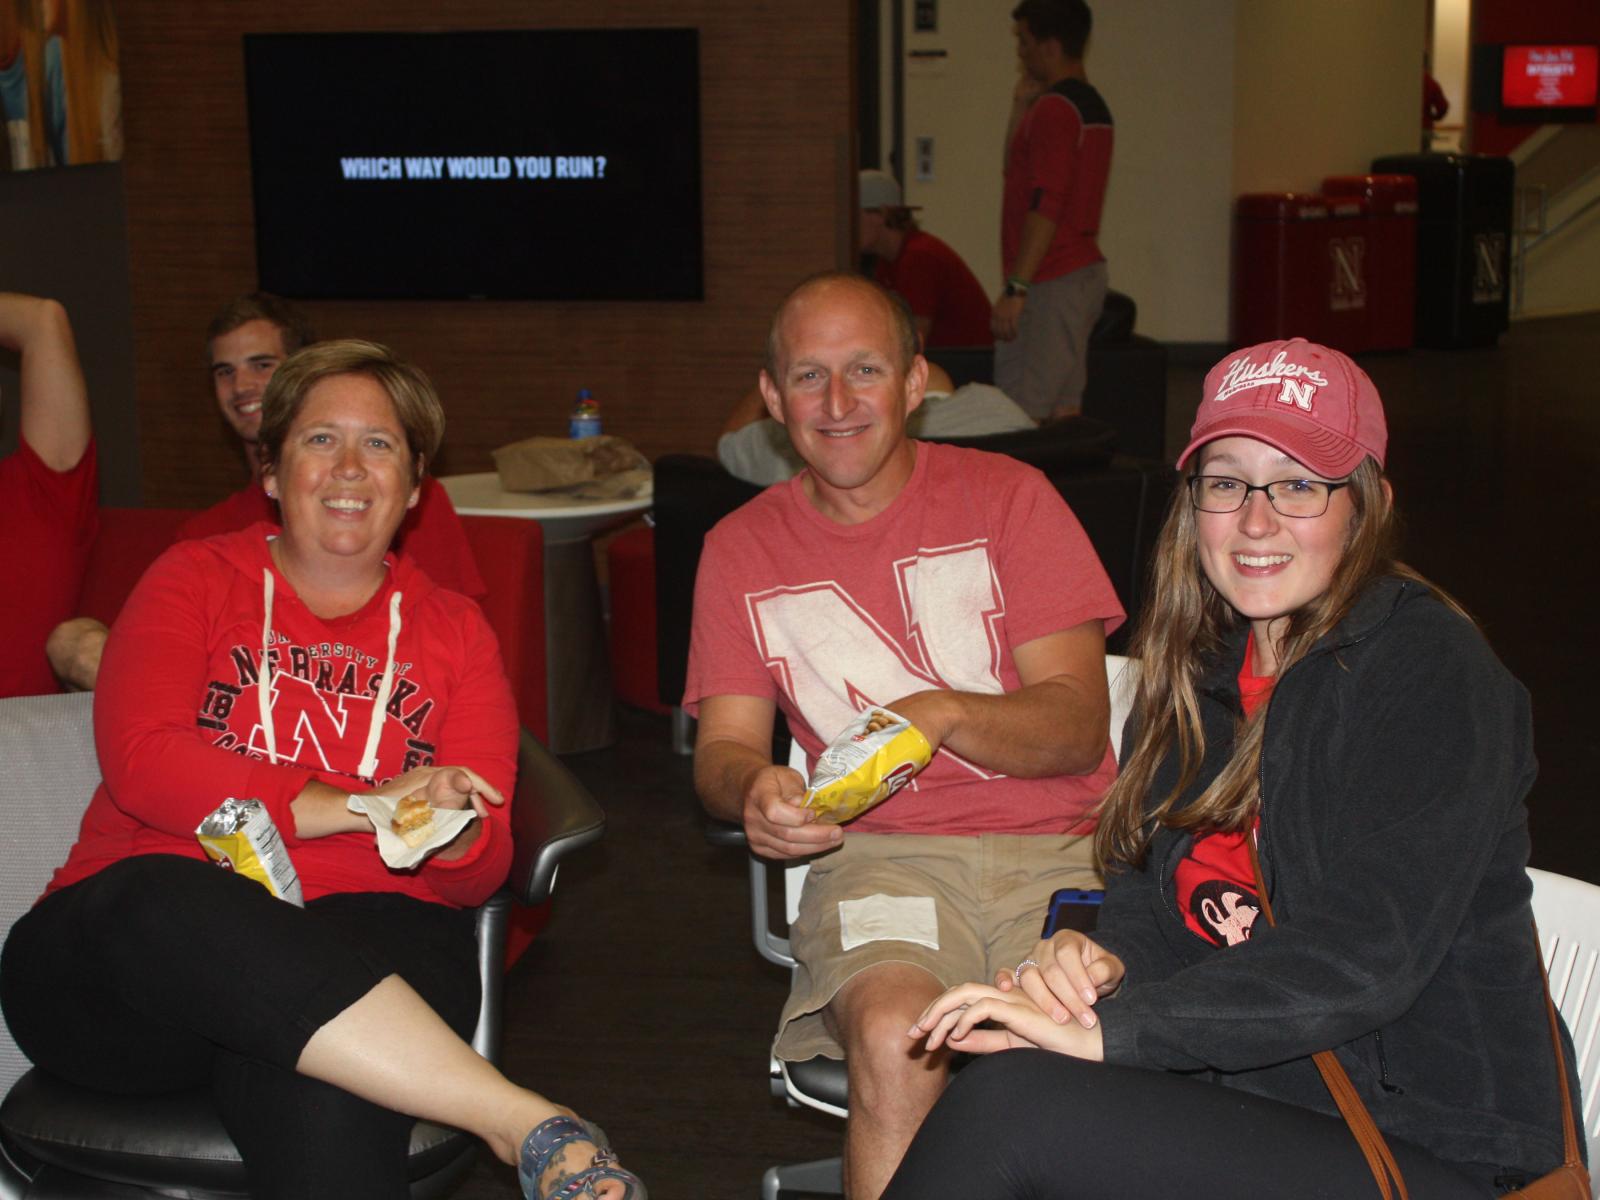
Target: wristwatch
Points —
{"points": [[1016, 287]]}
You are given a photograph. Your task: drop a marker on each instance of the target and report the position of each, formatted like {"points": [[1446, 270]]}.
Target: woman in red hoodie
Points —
{"points": [[309, 667]]}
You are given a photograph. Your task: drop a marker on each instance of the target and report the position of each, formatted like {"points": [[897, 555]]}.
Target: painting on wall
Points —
{"points": [[60, 86]]}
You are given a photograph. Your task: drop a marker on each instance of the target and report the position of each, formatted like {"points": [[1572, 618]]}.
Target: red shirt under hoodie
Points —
{"points": [[178, 707]]}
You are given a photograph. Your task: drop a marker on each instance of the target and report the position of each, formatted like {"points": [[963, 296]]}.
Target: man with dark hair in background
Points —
{"points": [[945, 297], [246, 342], [48, 492], [1057, 160]]}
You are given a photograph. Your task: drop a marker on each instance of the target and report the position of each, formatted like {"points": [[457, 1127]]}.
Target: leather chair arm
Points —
{"points": [[553, 815]]}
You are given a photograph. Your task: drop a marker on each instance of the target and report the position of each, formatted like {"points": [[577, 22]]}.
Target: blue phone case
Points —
{"points": [[1073, 908]]}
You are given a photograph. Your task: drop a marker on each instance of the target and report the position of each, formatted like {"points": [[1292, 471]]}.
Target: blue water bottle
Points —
{"points": [[585, 420]]}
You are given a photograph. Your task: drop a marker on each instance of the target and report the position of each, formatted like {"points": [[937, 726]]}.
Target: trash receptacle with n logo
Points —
{"points": [[1463, 245]]}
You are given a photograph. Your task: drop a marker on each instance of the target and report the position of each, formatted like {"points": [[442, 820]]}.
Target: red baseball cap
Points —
{"points": [[1311, 402]]}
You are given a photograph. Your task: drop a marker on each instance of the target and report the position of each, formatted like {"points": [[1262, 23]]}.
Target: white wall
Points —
{"points": [[1563, 275], [1210, 98], [1452, 21], [1165, 68], [1322, 89], [962, 102]]}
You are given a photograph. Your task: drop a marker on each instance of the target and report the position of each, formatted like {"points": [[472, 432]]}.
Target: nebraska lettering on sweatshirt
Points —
{"points": [[186, 716]]}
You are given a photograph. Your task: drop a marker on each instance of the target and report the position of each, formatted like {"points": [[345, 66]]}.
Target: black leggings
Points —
{"points": [[1033, 1125], [161, 973]]}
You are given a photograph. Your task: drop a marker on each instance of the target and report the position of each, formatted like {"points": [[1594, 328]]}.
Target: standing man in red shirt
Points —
{"points": [[49, 502], [945, 297], [1058, 156]]}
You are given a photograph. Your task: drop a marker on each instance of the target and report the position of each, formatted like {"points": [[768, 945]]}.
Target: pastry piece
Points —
{"points": [[413, 820]]}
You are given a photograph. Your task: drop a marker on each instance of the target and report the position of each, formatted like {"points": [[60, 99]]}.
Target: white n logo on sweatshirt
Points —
{"points": [[834, 659]]}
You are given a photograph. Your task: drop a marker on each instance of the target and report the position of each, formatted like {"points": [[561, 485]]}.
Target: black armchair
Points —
{"points": [[1126, 384], [59, 1142]]}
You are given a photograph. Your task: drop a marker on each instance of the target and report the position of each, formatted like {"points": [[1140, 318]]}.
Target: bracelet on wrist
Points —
{"points": [[1016, 286]]}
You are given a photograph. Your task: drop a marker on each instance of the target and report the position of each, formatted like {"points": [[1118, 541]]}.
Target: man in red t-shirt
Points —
{"points": [[945, 297], [955, 587], [48, 492], [1058, 157], [246, 342]]}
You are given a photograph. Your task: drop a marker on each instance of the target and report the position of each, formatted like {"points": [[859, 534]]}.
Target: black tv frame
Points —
{"points": [[632, 231]]}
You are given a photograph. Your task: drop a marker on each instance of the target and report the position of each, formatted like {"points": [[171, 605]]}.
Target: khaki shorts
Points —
{"points": [[880, 897], [1047, 367]]}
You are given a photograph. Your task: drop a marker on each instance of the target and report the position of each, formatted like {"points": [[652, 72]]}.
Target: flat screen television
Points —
{"points": [[507, 165], [1549, 84]]}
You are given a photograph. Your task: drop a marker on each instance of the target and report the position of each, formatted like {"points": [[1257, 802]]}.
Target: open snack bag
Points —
{"points": [[240, 836], [875, 756]]}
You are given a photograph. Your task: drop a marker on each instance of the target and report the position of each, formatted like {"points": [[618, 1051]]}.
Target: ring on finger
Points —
{"points": [[1016, 971]]}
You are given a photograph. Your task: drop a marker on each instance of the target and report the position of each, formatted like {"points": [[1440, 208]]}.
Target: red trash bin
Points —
{"points": [[1391, 254], [1346, 325], [1280, 270]]}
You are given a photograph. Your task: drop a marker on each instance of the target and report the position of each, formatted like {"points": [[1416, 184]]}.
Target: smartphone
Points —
{"points": [[1073, 908]]}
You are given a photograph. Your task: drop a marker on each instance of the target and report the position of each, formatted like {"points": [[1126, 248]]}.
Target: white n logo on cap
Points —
{"points": [[1297, 393], [1299, 383]]}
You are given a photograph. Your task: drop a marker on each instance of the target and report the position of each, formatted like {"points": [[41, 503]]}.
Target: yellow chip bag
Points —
{"points": [[875, 756], [240, 836]]}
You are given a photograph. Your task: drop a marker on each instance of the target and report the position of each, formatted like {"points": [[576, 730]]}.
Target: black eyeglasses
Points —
{"points": [[1288, 497]]}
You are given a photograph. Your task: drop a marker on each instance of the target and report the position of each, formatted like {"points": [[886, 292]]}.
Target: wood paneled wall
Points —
{"points": [[777, 165]]}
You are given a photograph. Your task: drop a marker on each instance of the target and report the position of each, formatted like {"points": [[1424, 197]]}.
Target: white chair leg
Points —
{"points": [[682, 731], [825, 1177]]}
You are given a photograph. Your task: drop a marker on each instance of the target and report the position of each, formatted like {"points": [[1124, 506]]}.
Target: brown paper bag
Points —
{"points": [[540, 464]]}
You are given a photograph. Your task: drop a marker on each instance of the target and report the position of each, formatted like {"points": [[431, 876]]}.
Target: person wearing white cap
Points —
{"points": [[945, 297], [1326, 735], [1057, 161]]}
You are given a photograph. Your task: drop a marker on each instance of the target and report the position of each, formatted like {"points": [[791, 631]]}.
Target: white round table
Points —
{"points": [[578, 667], [564, 516]]}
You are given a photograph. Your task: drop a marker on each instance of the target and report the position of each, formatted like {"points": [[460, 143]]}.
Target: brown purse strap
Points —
{"points": [[1354, 1110], [1373, 1148]]}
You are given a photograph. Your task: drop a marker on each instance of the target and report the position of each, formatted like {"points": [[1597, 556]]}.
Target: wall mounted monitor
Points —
{"points": [[517, 164], [1548, 84]]}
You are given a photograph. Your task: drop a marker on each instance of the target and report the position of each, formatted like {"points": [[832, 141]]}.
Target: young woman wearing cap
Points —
{"points": [[1302, 693]]}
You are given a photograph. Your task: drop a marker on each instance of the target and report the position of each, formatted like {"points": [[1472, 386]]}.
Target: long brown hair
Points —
{"points": [[1182, 630]]}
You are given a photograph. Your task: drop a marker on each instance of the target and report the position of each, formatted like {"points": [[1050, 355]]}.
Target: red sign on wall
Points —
{"points": [[1550, 76]]}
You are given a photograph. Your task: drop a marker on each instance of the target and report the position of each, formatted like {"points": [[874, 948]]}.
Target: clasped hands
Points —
{"points": [[1049, 1005]]}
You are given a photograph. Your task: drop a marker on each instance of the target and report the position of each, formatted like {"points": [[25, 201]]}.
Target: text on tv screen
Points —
{"points": [[519, 164], [1549, 77]]}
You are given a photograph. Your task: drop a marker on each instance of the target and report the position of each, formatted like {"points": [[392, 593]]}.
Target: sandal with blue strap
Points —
{"points": [[548, 1138]]}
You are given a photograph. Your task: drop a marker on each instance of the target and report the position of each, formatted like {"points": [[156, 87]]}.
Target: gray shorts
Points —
{"points": [[883, 897], [1045, 368]]}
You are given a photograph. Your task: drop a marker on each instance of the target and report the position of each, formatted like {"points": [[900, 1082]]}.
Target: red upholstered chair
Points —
{"points": [[510, 554], [631, 563], [130, 540]]}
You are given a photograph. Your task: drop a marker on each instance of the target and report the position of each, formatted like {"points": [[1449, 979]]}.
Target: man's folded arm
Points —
{"points": [[1057, 723]]}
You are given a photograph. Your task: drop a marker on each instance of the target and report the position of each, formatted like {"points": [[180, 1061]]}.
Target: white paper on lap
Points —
{"points": [[881, 918], [447, 822]]}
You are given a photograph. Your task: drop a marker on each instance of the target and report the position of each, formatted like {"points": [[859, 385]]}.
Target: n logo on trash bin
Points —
{"points": [[1488, 275], [1347, 283]]}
